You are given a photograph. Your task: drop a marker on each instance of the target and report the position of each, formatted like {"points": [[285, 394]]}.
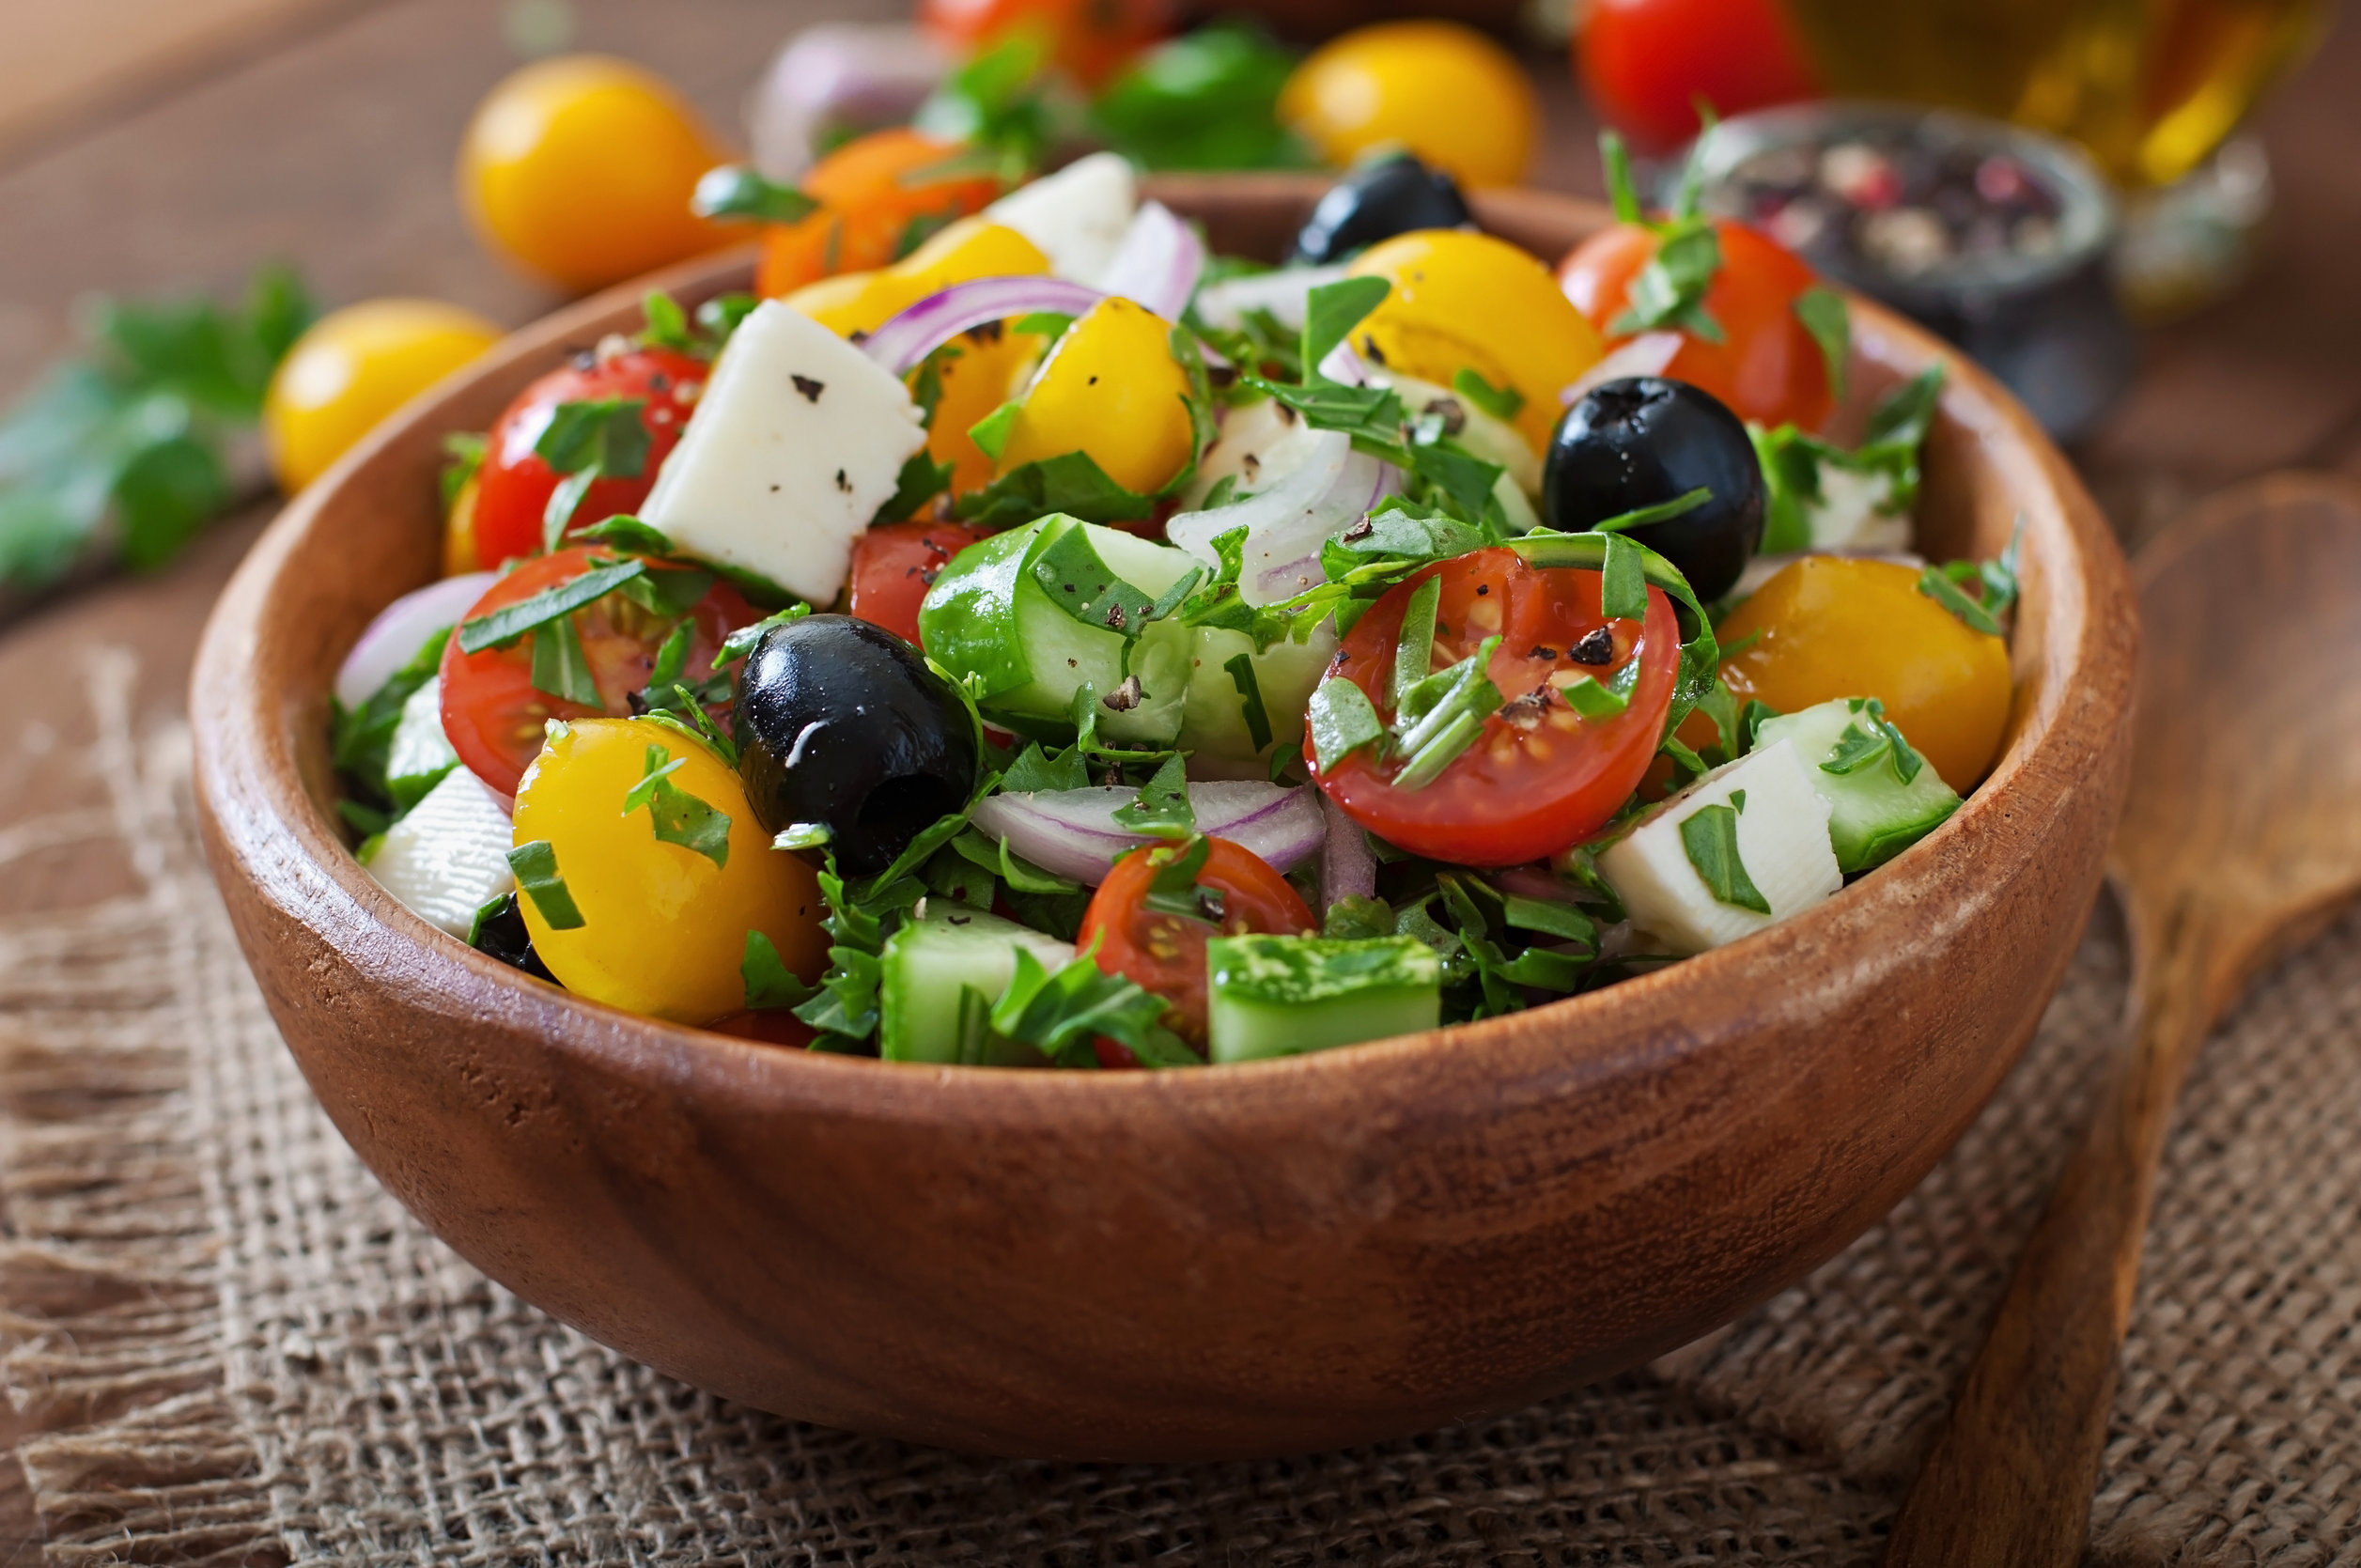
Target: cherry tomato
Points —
{"points": [[879, 197], [1441, 89], [1768, 367], [1832, 627], [1538, 777], [1645, 63], [1088, 37], [513, 486], [491, 710], [894, 564], [581, 169], [1166, 952], [351, 368]]}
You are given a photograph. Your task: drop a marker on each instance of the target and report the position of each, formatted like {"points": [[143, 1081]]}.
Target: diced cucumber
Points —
{"points": [[987, 620], [1214, 729], [940, 975], [1281, 995], [420, 754], [1873, 816]]}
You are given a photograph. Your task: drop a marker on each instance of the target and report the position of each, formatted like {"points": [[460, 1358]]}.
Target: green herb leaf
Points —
{"points": [[1700, 654], [1663, 511], [1087, 589], [1071, 483], [561, 668], [1447, 724], [738, 643], [1342, 722], [462, 459], [1823, 313], [1205, 99], [803, 835], [1175, 889], [1588, 697], [1162, 809], [362, 738], [1414, 644], [564, 501], [1710, 836], [1620, 189], [1938, 587], [536, 868], [666, 324], [1500, 402], [1331, 312], [1367, 413], [1551, 919], [1043, 323], [679, 816], [1356, 918], [1059, 1013], [509, 622], [1035, 769], [920, 481], [627, 533], [1240, 669], [1622, 582], [1670, 291], [605, 434], [1750, 720], [769, 984], [739, 191], [719, 317]]}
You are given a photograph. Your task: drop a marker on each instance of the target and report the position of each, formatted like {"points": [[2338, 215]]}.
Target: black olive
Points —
{"points": [[1379, 198], [1632, 444], [841, 723], [502, 935]]}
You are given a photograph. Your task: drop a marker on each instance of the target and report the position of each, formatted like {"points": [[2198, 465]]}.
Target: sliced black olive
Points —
{"points": [[1379, 198], [1639, 443], [841, 723], [500, 933]]}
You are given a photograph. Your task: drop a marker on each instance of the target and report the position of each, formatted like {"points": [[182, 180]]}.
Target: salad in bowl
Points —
{"points": [[1063, 647]]}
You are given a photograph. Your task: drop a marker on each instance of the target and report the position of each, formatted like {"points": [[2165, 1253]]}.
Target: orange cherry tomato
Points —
{"points": [[493, 713], [880, 198], [514, 486], [1645, 63], [1768, 367], [1539, 776], [1165, 952], [895, 563], [1088, 37]]}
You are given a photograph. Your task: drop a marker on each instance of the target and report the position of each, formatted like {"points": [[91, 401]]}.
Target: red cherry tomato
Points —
{"points": [[1088, 37], [1645, 63], [894, 565], [1166, 952], [514, 486], [1768, 367], [491, 708], [1538, 777]]}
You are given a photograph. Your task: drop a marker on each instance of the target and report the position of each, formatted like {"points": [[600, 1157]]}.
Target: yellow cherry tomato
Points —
{"points": [[1832, 627], [1470, 301], [1445, 91], [581, 169], [664, 925], [351, 368], [1111, 388], [459, 532]]}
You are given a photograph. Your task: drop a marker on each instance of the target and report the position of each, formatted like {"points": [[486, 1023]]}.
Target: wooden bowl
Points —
{"points": [[1262, 1259]]}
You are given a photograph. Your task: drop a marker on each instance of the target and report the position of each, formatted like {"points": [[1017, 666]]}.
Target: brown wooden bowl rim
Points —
{"points": [[2088, 701]]}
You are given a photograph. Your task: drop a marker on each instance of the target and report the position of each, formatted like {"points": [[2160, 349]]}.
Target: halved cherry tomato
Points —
{"points": [[514, 486], [895, 563], [1768, 367], [1088, 37], [491, 708], [879, 197], [1538, 777], [1165, 952], [1645, 63]]}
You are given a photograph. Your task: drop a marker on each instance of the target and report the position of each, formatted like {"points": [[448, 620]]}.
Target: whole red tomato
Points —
{"points": [[1088, 37], [514, 485], [1645, 63], [1768, 367]]}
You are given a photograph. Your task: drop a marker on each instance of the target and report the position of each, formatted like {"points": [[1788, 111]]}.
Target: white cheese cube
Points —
{"points": [[797, 441], [419, 750], [449, 857], [1855, 512], [1077, 217], [1782, 835]]}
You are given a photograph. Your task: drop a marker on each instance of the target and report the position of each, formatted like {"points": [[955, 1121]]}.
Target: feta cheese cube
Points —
{"points": [[1077, 217], [449, 856], [797, 441], [1783, 837]]}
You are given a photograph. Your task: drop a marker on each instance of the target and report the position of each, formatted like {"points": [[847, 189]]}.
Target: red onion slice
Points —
{"points": [[1073, 832], [935, 320], [1644, 355], [1348, 868], [1159, 262], [1286, 524], [839, 75], [402, 628]]}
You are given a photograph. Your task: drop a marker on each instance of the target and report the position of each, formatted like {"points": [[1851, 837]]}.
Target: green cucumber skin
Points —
{"points": [[986, 617], [927, 963], [1213, 725], [1249, 1019], [1873, 816]]}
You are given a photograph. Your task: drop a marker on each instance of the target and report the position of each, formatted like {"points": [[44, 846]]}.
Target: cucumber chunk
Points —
{"points": [[1873, 816], [1215, 728], [989, 622], [938, 978], [1281, 995]]}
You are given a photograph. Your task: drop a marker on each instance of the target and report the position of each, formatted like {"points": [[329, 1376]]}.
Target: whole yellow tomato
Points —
{"points": [[1445, 91], [662, 924], [581, 169], [1470, 301], [1826, 628], [354, 367], [1113, 389]]}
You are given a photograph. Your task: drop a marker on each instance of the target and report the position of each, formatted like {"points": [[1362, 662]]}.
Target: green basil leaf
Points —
{"points": [[1331, 312], [739, 191], [1824, 315], [769, 984], [512, 621], [561, 668], [536, 873], [1710, 836], [1240, 669], [1500, 402], [1162, 809]]}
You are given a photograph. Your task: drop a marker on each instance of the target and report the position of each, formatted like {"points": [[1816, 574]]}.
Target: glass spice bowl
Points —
{"points": [[1995, 237]]}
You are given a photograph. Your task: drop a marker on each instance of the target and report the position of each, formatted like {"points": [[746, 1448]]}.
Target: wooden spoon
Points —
{"points": [[2242, 837]]}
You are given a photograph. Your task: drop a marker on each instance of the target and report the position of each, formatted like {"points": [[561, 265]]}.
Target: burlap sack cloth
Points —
{"points": [[267, 1359]]}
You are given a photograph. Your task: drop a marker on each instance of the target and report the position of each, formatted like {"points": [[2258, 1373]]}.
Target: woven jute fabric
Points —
{"points": [[245, 1350]]}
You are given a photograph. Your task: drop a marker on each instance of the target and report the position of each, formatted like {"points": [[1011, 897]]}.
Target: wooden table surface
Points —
{"points": [[148, 147]]}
